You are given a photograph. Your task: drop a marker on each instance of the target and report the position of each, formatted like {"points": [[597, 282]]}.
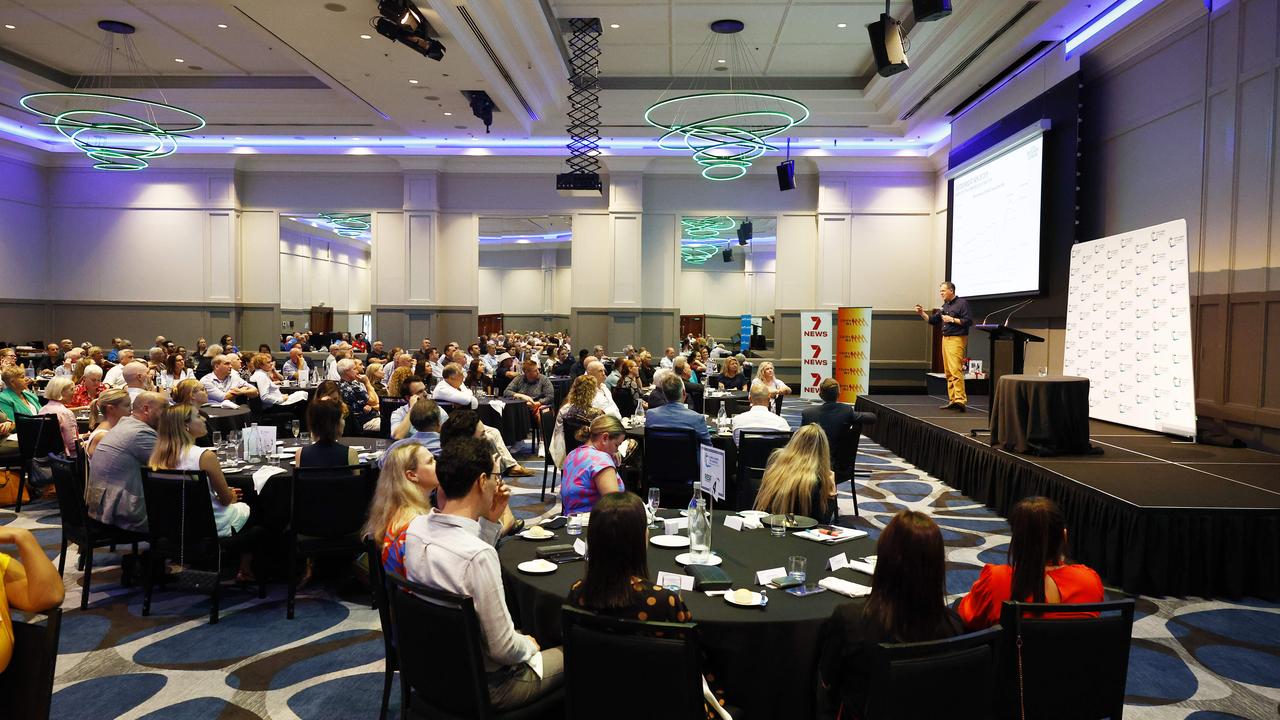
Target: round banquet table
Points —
{"points": [[271, 504], [711, 402], [224, 420], [513, 422], [766, 658], [1041, 415]]}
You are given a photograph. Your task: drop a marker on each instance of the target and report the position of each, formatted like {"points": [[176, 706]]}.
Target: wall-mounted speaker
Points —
{"points": [[787, 175], [744, 232], [930, 10], [886, 45]]}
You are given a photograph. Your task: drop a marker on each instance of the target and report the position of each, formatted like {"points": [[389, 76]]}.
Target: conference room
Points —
{"points": [[403, 358]]}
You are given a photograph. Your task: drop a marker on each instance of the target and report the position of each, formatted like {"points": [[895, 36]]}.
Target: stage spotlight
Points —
{"points": [[887, 45], [403, 22], [482, 106], [744, 232], [787, 175], [727, 254]]}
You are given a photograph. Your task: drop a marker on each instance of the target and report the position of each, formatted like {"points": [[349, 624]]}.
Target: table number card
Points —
{"points": [[764, 577], [838, 561], [667, 579], [733, 522]]}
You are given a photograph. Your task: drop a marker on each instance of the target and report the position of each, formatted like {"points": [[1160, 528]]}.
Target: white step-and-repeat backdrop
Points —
{"points": [[1129, 328]]}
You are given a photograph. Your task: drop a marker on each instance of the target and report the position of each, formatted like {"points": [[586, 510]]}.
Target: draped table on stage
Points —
{"points": [[1041, 415], [766, 658]]}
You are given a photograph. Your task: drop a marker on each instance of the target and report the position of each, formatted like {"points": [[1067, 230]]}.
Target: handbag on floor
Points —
{"points": [[9, 488]]}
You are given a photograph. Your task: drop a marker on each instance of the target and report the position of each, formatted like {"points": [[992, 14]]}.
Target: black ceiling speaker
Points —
{"points": [[787, 175], [886, 45], [744, 232], [930, 10], [727, 254]]}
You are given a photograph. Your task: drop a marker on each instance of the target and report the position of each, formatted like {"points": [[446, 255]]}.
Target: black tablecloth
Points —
{"points": [[711, 404], [271, 506], [224, 420], [766, 659], [1041, 415], [513, 422]]}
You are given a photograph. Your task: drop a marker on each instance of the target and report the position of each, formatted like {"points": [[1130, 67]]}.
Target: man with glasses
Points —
{"points": [[412, 389]]}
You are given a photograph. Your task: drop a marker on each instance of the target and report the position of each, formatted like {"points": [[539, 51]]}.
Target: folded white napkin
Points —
{"points": [[866, 567], [497, 405], [844, 587], [228, 404], [295, 397], [264, 473]]}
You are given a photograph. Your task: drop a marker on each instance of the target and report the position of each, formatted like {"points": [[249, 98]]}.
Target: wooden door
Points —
{"points": [[490, 324], [321, 319], [692, 325]]}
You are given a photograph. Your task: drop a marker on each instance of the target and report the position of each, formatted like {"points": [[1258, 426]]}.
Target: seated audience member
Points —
{"points": [[424, 419], [355, 393], [9, 358], [655, 397], [47, 363], [331, 390], [264, 379], [377, 352], [395, 382], [228, 345], [578, 406], [240, 364], [296, 367], [176, 449], [668, 358], [136, 376], [467, 423], [376, 379], [604, 398], [684, 371], [453, 390], [444, 550], [115, 376], [88, 389], [732, 378], [204, 362], [77, 373], [674, 413], [758, 416], [1038, 569], [175, 371], [189, 392], [114, 492], [563, 364], [616, 580], [56, 394], [337, 351], [476, 379], [325, 418], [580, 367], [30, 583], [591, 469], [834, 416], [226, 384], [906, 605], [532, 387], [16, 399], [405, 483], [69, 362], [776, 387], [105, 411], [799, 479]]}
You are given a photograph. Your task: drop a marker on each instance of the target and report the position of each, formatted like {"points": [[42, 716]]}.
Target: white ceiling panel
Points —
{"points": [[643, 60]]}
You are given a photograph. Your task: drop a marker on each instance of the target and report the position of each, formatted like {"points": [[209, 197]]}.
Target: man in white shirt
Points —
{"points": [[224, 384], [759, 416], [337, 352], [490, 358], [604, 398], [444, 550], [668, 358], [115, 376], [135, 379], [451, 390]]}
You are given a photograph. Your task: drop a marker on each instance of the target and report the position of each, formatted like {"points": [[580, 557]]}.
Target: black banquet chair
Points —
{"points": [[386, 408], [27, 684], [547, 425], [671, 681], [180, 525], [754, 449], [78, 528], [671, 462], [958, 672], [448, 684], [381, 598], [327, 509], [1042, 654], [38, 437]]}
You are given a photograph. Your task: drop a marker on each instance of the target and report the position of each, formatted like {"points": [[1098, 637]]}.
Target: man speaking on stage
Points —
{"points": [[955, 318]]}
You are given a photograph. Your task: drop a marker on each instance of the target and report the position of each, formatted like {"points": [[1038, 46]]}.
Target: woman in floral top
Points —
{"points": [[590, 471]]}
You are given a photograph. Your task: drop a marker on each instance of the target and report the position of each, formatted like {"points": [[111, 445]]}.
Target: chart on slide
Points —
{"points": [[995, 225]]}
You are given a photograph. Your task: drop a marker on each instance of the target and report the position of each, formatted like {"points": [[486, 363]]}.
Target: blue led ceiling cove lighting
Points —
{"points": [[1099, 23]]}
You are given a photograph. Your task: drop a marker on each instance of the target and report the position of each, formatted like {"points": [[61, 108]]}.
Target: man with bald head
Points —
{"points": [[114, 492], [296, 367], [135, 379], [604, 398]]}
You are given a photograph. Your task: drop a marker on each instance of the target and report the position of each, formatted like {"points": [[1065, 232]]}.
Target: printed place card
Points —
{"points": [[667, 579], [838, 561], [764, 577], [733, 522]]}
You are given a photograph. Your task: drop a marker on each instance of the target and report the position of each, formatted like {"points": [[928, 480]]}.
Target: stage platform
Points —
{"points": [[1151, 514]]}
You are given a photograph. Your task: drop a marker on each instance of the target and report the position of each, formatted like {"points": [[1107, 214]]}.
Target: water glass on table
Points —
{"points": [[295, 427], [779, 528], [795, 568], [655, 502], [217, 439], [304, 438], [574, 526], [380, 446]]}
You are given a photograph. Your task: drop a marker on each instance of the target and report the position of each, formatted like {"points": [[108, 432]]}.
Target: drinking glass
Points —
{"points": [[217, 439], [574, 527], [795, 567], [1044, 371], [655, 499], [778, 529], [304, 438], [295, 427], [380, 446]]}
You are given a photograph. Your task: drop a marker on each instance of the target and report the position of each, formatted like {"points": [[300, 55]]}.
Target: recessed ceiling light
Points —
{"points": [[7, 26], [523, 241], [615, 26], [366, 37], [842, 25], [448, 113], [413, 82], [722, 61], [239, 138], [222, 26], [179, 60]]}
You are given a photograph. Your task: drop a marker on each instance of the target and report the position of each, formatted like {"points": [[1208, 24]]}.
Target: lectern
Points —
{"points": [[1008, 351]]}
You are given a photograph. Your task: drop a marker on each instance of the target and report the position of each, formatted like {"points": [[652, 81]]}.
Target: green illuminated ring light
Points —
{"points": [[352, 225], [698, 253], [702, 228], [115, 140], [725, 144]]}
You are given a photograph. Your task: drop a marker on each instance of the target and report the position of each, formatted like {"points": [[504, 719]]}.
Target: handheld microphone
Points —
{"points": [[1015, 312], [997, 312]]}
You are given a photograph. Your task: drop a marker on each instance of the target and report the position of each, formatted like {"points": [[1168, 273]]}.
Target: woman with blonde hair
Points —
{"points": [[176, 449], [189, 392], [397, 379], [405, 484], [375, 375], [799, 479], [56, 394], [775, 386], [591, 470], [732, 378], [577, 405], [109, 408]]}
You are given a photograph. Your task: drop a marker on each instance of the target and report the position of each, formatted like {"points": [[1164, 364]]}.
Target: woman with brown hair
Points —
{"points": [[799, 479], [590, 471], [109, 408], [577, 405], [1038, 569], [325, 417], [907, 604]]}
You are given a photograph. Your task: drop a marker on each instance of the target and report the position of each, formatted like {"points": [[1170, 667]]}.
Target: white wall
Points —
{"points": [[24, 271], [317, 270], [514, 282]]}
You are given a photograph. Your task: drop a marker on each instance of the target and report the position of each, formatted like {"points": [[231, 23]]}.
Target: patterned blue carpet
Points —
{"points": [[1191, 658]]}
